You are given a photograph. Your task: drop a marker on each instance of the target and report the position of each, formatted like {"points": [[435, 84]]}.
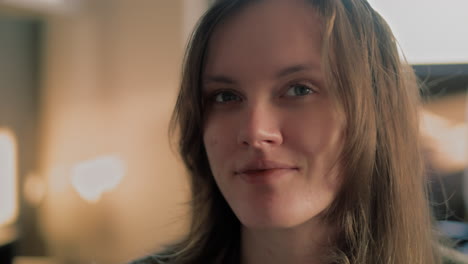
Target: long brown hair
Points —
{"points": [[381, 210]]}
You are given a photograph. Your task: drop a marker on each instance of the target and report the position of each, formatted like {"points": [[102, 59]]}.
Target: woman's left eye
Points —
{"points": [[299, 90]]}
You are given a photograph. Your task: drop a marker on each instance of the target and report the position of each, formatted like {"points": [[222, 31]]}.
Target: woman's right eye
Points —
{"points": [[225, 97]]}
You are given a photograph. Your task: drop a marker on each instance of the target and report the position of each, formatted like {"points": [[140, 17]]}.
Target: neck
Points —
{"points": [[302, 244]]}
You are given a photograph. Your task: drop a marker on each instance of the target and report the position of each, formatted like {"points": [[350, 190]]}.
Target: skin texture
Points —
{"points": [[271, 131]]}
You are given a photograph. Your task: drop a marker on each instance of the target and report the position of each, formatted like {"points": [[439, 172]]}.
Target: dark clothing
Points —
{"points": [[450, 257]]}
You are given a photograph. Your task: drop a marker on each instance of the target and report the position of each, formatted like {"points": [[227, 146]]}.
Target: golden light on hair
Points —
{"points": [[8, 180], [92, 178]]}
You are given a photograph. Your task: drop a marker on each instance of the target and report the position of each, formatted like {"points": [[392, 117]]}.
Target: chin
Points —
{"points": [[269, 221]]}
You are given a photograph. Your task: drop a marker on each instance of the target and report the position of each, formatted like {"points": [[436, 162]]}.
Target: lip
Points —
{"points": [[262, 164], [261, 171]]}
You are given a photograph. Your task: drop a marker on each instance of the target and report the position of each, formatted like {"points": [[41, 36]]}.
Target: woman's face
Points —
{"points": [[271, 132]]}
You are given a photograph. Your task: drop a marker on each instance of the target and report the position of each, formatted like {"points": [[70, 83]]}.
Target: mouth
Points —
{"points": [[260, 165], [265, 170]]}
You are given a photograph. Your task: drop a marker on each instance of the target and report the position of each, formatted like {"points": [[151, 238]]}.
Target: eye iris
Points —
{"points": [[301, 90], [226, 97]]}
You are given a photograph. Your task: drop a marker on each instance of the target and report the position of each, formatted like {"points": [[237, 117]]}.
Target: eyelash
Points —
{"points": [[213, 97], [308, 88]]}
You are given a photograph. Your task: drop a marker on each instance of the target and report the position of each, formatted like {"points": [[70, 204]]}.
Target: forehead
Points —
{"points": [[264, 37]]}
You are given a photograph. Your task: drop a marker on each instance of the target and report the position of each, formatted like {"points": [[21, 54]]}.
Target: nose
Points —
{"points": [[259, 127]]}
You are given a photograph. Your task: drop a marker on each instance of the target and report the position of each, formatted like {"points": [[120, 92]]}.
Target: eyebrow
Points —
{"points": [[219, 79], [280, 74], [294, 69]]}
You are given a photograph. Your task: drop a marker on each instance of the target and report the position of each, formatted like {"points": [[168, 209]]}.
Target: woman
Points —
{"points": [[299, 129]]}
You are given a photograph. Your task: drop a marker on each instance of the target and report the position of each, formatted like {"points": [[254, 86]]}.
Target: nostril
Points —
{"points": [[259, 137]]}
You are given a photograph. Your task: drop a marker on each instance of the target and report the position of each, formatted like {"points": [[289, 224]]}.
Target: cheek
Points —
{"points": [[216, 138], [219, 131], [211, 142], [210, 134], [319, 141], [212, 150], [315, 136]]}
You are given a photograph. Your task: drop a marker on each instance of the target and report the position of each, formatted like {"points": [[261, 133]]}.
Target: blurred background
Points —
{"points": [[87, 174]]}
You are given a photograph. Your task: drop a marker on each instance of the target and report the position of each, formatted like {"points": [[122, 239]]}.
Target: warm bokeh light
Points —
{"points": [[447, 142], [34, 189], [8, 181], [94, 177]]}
